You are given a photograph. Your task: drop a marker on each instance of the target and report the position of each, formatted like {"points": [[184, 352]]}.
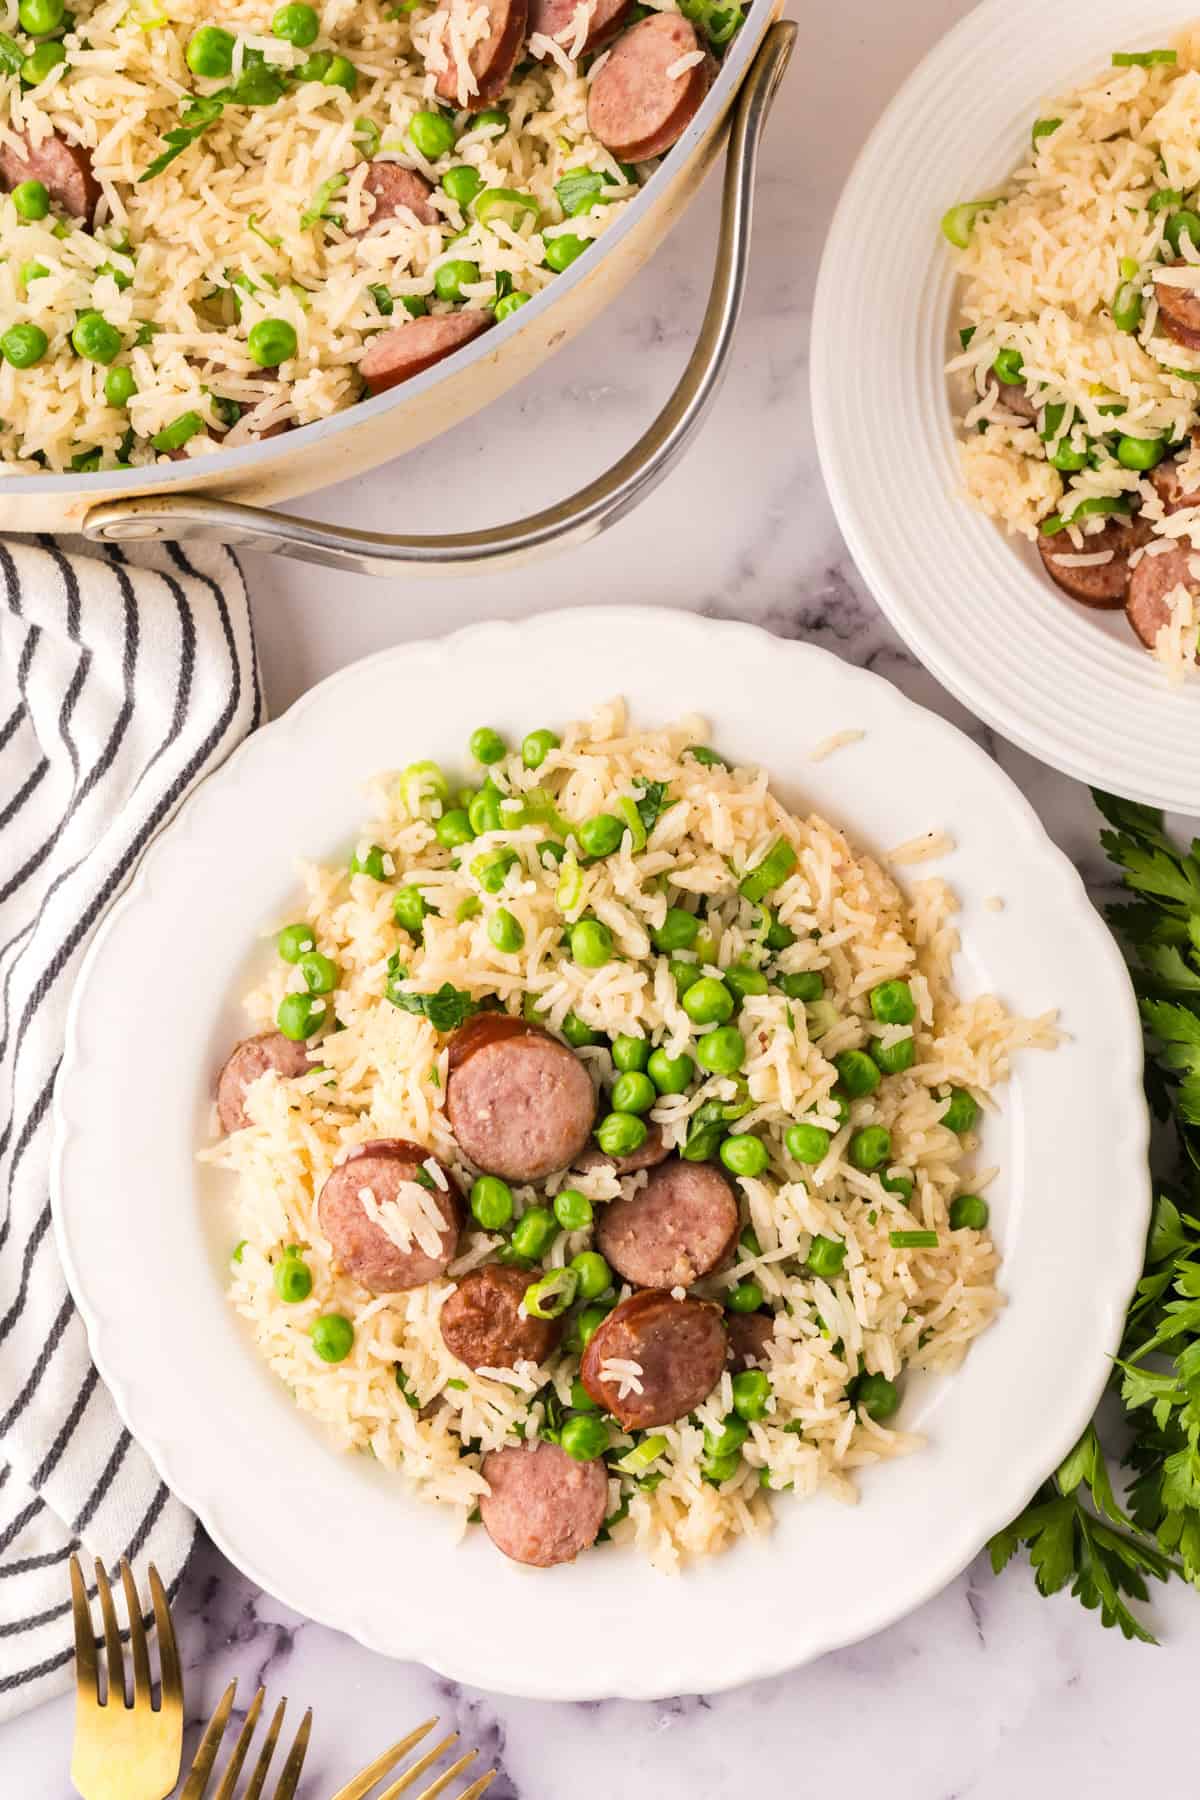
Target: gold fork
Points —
{"points": [[125, 1747], [196, 1785], [366, 1779]]}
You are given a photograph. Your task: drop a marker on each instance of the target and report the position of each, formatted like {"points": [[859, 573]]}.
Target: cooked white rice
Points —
{"points": [[383, 1075], [1039, 276]]}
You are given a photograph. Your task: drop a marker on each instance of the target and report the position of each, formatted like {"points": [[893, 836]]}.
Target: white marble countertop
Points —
{"points": [[988, 1690]]}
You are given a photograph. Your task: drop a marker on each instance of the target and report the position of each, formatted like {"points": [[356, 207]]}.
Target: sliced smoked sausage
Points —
{"points": [[649, 1152], [556, 19], [1168, 486], [374, 1176], [251, 1059], [65, 169], [394, 356], [491, 60], [1179, 310], [1014, 398], [678, 1228], [749, 1336], [483, 1326], [678, 1347], [1154, 578], [636, 107], [520, 1103], [1100, 585], [544, 1507], [396, 190]]}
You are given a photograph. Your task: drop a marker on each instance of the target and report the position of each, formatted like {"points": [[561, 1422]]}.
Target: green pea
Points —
{"points": [[341, 73], [320, 973], [892, 1003], [584, 1438], [119, 386], [31, 199], [33, 271], [562, 251], [371, 864], [1180, 223], [469, 908], [745, 980], [483, 810], [486, 745], [534, 1232], [631, 1054], [1067, 459], [857, 1073], [600, 836], [432, 134], [751, 1392], [670, 1074], [807, 1143], [718, 1469], [961, 1113], [869, 1147], [293, 941], [313, 67], [1009, 367], [1140, 453], [770, 873], [893, 1059], [806, 985], [332, 1337], [841, 1106], [581, 1400], [510, 304], [95, 339], [491, 1202], [449, 280], [175, 435], [897, 1184], [589, 1322], [591, 943], [729, 1440], [1126, 307], [40, 17], [409, 908], [462, 183], [299, 1016], [593, 1272], [633, 1092], [576, 1032], [536, 745], [708, 1002], [453, 829], [744, 1154], [24, 345], [491, 117], [876, 1395], [721, 1052], [968, 1212], [686, 976], [677, 931], [505, 932], [292, 1279], [271, 342], [746, 1297], [210, 52], [42, 62], [620, 1134], [296, 24], [826, 1256], [572, 1209]]}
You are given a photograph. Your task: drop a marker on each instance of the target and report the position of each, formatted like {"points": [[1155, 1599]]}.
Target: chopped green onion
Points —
{"points": [[959, 222], [1142, 59], [913, 1240], [639, 1459], [569, 892], [550, 1297]]}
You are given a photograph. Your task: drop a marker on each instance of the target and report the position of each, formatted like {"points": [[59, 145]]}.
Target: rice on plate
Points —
{"points": [[1079, 345], [761, 1013]]}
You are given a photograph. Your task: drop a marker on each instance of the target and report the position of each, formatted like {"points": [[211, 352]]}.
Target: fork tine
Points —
{"points": [[210, 1743], [290, 1779], [168, 1654], [112, 1637], [237, 1756], [443, 1781], [137, 1638], [479, 1787], [86, 1672], [419, 1767], [254, 1788], [365, 1781]]}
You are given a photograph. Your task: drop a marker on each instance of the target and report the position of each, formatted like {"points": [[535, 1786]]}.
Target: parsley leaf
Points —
{"points": [[11, 55], [707, 1127], [654, 800], [445, 1010]]}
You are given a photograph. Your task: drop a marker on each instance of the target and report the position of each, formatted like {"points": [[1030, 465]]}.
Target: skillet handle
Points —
{"points": [[572, 521]]}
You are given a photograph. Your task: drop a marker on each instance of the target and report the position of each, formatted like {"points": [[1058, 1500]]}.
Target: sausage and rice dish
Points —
{"points": [[606, 1150], [1078, 363], [215, 230]]}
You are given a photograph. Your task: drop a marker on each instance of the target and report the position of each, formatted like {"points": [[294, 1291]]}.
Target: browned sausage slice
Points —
{"points": [[373, 1175], [1014, 398], [483, 1326], [648, 1154], [678, 1228], [394, 356], [492, 59], [250, 1059], [678, 1348], [520, 1103], [749, 1336], [1154, 578], [64, 168], [1179, 311], [556, 19], [396, 190], [544, 1507], [636, 107], [1101, 585], [1169, 488]]}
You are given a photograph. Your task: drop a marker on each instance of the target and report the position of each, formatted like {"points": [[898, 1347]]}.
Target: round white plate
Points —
{"points": [[145, 1235], [1072, 686]]}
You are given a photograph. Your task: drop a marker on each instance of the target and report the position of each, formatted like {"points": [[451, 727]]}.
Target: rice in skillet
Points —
{"points": [[840, 928]]}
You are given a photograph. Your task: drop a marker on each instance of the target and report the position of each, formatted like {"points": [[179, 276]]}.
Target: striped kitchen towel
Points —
{"points": [[124, 679]]}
